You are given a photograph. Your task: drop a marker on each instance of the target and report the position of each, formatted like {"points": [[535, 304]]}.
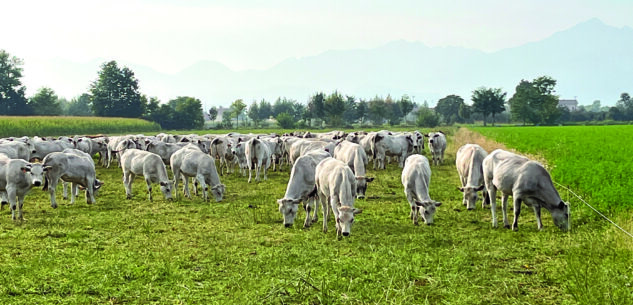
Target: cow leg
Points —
{"points": [[127, 183], [308, 207], [249, 173], [537, 211], [176, 178], [11, 193], [65, 190], [504, 210], [51, 190], [517, 211], [326, 211], [334, 200], [265, 172], [185, 187], [149, 188], [203, 186], [492, 192], [195, 186], [315, 212], [20, 205], [413, 214], [73, 192], [486, 199], [5, 200]]}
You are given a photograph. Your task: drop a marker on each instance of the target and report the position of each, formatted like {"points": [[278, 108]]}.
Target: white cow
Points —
{"points": [[335, 183], [189, 162], [17, 177], [301, 188], [469, 161], [528, 182], [150, 165], [220, 149], [437, 146], [75, 187], [399, 146], [165, 150], [258, 156], [416, 179], [16, 150], [74, 168], [299, 148], [45, 147], [355, 157]]}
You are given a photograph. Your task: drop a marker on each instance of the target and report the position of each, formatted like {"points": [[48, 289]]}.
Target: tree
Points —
{"points": [[625, 106], [187, 112], [226, 119], [376, 110], [115, 92], [237, 109], [406, 105], [427, 117], [285, 120], [213, 113], [151, 107], [488, 101], [265, 110], [535, 102], [349, 116], [253, 113], [393, 113], [12, 100], [361, 110], [45, 102], [595, 107], [80, 106], [316, 106], [448, 107], [283, 104], [334, 107]]}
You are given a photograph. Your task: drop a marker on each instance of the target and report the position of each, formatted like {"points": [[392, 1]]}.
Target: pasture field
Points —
{"points": [[17, 126], [237, 251]]}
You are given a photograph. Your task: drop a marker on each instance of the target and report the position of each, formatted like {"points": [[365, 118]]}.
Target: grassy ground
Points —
{"points": [[237, 251]]}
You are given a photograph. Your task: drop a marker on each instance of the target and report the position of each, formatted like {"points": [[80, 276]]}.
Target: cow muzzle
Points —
{"points": [[37, 183], [288, 225], [345, 233]]}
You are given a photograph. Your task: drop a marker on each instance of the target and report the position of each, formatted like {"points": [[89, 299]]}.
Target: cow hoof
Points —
{"points": [[506, 226]]}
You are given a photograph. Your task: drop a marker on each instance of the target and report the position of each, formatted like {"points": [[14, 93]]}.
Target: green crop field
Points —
{"points": [[237, 251], [17, 126]]}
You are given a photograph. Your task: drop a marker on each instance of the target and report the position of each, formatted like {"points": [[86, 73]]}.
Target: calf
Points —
{"points": [[301, 188], [469, 161], [416, 178], [528, 182], [335, 183], [354, 156], [17, 177], [257, 156], [189, 162], [150, 165], [437, 146], [70, 167]]}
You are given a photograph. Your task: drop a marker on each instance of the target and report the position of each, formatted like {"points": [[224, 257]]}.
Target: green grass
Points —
{"points": [[58, 126], [237, 251]]}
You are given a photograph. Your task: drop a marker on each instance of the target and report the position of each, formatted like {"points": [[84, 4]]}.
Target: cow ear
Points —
{"points": [[437, 203], [461, 189], [47, 168], [357, 211], [420, 204], [162, 183], [561, 205], [369, 179], [25, 169], [481, 187]]}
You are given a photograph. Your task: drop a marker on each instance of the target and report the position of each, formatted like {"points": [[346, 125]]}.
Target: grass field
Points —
{"points": [[17, 126], [237, 251]]}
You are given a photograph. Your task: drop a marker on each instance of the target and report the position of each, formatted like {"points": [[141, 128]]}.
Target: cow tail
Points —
{"points": [[45, 187]]}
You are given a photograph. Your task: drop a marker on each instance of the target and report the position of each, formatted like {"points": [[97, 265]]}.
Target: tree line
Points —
{"points": [[115, 93]]}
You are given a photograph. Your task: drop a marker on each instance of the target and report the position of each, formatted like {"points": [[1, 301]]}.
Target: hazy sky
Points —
{"points": [[170, 35]]}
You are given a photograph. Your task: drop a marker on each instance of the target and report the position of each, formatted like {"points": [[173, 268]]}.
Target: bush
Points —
{"points": [[285, 121], [427, 118]]}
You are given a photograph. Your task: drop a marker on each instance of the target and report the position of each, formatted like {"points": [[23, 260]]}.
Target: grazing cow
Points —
{"points": [[74, 188], [299, 148], [116, 146], [16, 150], [189, 162], [301, 189], [528, 182], [416, 178], [257, 156], [150, 165], [437, 145], [165, 150], [17, 177], [354, 156], [44, 147], [335, 183], [469, 161], [74, 168], [385, 145]]}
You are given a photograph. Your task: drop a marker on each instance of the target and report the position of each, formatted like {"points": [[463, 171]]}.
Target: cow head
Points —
{"points": [[218, 191], [345, 219], [561, 216], [165, 188], [288, 208], [34, 173], [427, 210], [470, 196], [361, 186]]}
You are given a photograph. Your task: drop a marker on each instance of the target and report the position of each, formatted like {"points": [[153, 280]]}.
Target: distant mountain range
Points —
{"points": [[590, 61]]}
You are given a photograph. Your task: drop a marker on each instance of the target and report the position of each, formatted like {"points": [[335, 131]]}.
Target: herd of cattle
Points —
{"points": [[327, 167]]}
